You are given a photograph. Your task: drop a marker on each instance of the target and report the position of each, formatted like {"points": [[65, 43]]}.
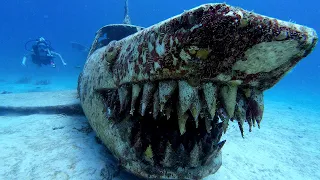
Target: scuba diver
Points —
{"points": [[42, 53]]}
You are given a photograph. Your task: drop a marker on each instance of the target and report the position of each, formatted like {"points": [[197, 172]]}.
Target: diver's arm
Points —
{"points": [[57, 54]]}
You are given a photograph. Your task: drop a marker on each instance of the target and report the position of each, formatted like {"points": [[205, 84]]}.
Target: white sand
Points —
{"points": [[286, 147], [32, 149], [56, 83], [40, 99]]}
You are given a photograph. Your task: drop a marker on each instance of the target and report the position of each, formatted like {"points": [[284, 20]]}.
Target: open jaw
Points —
{"points": [[160, 99], [176, 127]]}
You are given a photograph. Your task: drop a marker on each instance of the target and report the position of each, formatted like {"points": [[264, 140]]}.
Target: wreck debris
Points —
{"points": [[184, 79]]}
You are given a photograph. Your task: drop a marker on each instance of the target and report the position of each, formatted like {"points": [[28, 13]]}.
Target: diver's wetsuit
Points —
{"points": [[41, 54]]}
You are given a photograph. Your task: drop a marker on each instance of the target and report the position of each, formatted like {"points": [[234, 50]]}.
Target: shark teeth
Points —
{"points": [[190, 119], [210, 94], [148, 154], [224, 118], [208, 125], [182, 120], [240, 112], [255, 107], [168, 111], [215, 149], [202, 102], [229, 96], [189, 100], [195, 109], [249, 120], [168, 154], [148, 89], [166, 89], [135, 94], [258, 98], [124, 93], [195, 155], [186, 93], [156, 104]]}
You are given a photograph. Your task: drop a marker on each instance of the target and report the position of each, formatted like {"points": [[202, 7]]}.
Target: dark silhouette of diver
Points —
{"points": [[42, 53]]}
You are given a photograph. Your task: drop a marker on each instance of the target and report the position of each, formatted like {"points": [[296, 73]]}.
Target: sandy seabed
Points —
{"points": [[51, 146]]}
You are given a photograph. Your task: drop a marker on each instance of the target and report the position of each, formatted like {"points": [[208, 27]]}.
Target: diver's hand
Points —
{"points": [[64, 64], [23, 64]]}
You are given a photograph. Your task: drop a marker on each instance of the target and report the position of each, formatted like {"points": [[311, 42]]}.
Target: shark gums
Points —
{"points": [[161, 98]]}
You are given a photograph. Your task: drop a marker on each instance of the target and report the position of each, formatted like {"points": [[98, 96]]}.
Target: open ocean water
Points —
{"points": [[62, 22]]}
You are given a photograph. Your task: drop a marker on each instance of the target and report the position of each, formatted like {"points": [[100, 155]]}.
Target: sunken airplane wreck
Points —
{"points": [[161, 98]]}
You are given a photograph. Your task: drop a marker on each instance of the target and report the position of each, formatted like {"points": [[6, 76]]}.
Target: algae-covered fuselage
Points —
{"points": [[161, 98]]}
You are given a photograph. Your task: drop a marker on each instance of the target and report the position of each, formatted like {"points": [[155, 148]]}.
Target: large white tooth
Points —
{"points": [[166, 88], [156, 104], [195, 155], [182, 120], [123, 93], [148, 89], [210, 94], [229, 97], [135, 94]]}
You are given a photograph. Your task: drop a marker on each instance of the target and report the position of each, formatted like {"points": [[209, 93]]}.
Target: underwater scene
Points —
{"points": [[136, 89]]}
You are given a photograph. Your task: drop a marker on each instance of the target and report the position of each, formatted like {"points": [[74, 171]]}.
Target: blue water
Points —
{"points": [[63, 21]]}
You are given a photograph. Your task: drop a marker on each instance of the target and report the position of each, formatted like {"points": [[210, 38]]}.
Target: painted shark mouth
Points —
{"points": [[177, 125], [161, 98]]}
